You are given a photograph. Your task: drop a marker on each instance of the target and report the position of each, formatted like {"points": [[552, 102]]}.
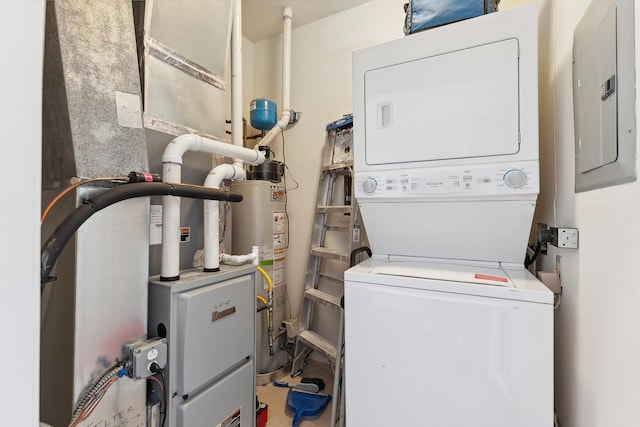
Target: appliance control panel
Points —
{"points": [[468, 180]]}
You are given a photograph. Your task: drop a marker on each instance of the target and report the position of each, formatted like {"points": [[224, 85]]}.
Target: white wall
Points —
{"points": [[321, 90], [21, 44], [597, 374]]}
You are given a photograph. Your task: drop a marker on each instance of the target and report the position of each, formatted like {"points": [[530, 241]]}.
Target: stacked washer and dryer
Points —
{"points": [[444, 325]]}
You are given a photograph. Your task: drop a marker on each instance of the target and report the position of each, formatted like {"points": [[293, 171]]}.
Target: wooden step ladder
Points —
{"points": [[337, 231]]}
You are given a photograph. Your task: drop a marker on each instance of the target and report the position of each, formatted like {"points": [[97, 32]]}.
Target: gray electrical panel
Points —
{"points": [[604, 95]]}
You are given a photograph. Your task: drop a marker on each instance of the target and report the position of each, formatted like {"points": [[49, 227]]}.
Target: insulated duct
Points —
{"points": [[54, 245]]}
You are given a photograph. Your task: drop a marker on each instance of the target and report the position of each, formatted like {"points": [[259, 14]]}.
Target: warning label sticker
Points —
{"points": [[491, 278], [277, 194], [185, 234], [232, 420], [279, 228]]}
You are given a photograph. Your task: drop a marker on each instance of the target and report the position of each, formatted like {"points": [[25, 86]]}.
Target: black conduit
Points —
{"points": [[56, 243]]}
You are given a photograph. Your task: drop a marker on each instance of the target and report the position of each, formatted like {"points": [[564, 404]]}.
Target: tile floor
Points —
{"points": [[275, 397]]}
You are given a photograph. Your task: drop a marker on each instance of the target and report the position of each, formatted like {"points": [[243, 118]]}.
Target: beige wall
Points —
{"points": [[321, 90]]}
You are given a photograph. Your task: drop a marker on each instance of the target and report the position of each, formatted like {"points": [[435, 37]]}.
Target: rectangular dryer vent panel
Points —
{"points": [[604, 101]]}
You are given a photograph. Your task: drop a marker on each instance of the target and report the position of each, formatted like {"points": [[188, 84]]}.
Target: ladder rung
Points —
{"points": [[329, 253], [319, 344], [329, 277], [334, 209], [335, 166], [323, 298], [337, 228]]}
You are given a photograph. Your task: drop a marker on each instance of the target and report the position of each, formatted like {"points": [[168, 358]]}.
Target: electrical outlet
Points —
{"points": [[568, 238], [141, 354], [564, 237]]}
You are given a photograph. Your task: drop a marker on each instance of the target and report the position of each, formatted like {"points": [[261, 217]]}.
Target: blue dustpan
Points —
{"points": [[305, 405]]}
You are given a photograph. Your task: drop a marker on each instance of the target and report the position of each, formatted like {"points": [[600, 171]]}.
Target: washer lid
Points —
{"points": [[469, 278], [446, 272]]}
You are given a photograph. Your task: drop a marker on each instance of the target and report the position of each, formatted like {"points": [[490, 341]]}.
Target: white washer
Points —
{"points": [[436, 344]]}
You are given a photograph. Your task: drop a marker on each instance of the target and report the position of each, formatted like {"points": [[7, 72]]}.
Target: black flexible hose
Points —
{"points": [[536, 251], [56, 243]]}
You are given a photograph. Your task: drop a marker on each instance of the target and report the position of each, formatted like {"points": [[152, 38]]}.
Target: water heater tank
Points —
{"points": [[260, 220]]}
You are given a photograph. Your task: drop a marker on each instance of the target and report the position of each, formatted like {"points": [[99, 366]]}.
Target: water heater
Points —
{"points": [[260, 220]]}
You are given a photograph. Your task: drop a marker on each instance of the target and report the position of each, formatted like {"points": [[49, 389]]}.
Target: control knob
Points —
{"points": [[515, 178], [369, 185]]}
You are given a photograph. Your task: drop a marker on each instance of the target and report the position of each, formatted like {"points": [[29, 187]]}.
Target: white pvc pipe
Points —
{"points": [[287, 16], [212, 213], [192, 142], [236, 76], [170, 268], [238, 259], [282, 124], [256, 251], [225, 171], [172, 172]]}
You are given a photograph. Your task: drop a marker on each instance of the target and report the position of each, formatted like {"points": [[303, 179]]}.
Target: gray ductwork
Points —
{"points": [[92, 127]]}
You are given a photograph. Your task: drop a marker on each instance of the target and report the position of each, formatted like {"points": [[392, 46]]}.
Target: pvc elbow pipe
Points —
{"points": [[238, 259], [248, 155], [176, 149], [277, 129], [172, 172], [212, 213], [192, 142]]}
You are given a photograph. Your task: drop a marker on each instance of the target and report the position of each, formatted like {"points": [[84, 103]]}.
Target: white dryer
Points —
{"points": [[443, 325]]}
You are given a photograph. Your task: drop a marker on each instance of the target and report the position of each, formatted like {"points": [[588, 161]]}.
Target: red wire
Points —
{"points": [[152, 377]]}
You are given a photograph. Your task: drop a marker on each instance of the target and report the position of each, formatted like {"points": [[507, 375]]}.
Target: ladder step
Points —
{"points": [[329, 277], [319, 344], [323, 298], [337, 166], [337, 228], [329, 253], [334, 209]]}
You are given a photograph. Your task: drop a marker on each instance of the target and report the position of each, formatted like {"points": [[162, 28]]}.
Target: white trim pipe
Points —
{"points": [[238, 259], [253, 257], [236, 76], [212, 213], [256, 251], [172, 172], [282, 124], [170, 268], [192, 142]]}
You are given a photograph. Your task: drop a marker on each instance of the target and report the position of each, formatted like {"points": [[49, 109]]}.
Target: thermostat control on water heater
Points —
{"points": [[475, 180]]}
